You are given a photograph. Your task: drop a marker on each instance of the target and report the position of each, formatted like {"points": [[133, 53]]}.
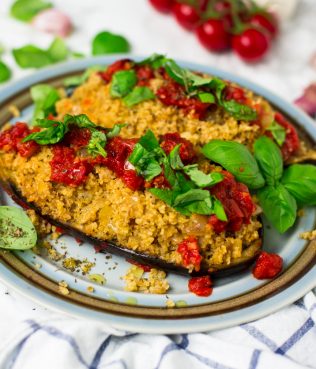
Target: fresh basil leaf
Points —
{"points": [[97, 143], [169, 174], [45, 123], [300, 181], [176, 72], [5, 72], [109, 43], [166, 196], [269, 158], [154, 61], [151, 170], [138, 95], [279, 206], [207, 97], [149, 141], [138, 152], [16, 229], [219, 210], [174, 158], [81, 120], [58, 50], [239, 111], [203, 207], [79, 80], [200, 178], [31, 56], [25, 10], [195, 80], [182, 183], [278, 132], [115, 131], [45, 98], [237, 159], [123, 83], [191, 196], [51, 135]]}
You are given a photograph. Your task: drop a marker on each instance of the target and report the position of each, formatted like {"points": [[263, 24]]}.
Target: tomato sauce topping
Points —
{"points": [[190, 252], [144, 75], [235, 93], [267, 266], [237, 203], [146, 268], [171, 93], [201, 286], [170, 140], [124, 64], [11, 140], [77, 137]]}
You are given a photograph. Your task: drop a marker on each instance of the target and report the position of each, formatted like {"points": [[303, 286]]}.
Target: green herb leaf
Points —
{"points": [[16, 229], [219, 211], [123, 83], [191, 196], [45, 98], [149, 140], [200, 178], [194, 201], [300, 181], [166, 196], [97, 143], [31, 56], [138, 152], [108, 43], [176, 72], [81, 120], [174, 158], [138, 95], [58, 50], [5, 72], [154, 61], [115, 130], [269, 158], [237, 159], [279, 206], [239, 111], [278, 132], [207, 97], [54, 132], [79, 80], [25, 10]]}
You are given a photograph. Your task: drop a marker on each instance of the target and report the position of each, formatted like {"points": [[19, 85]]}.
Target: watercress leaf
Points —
{"points": [[108, 43], [149, 140], [300, 181], [45, 98], [278, 132], [81, 120], [25, 10], [239, 111], [97, 143], [16, 229], [5, 72], [155, 61], [167, 196], [115, 130], [58, 50], [138, 95], [123, 83], [200, 178], [206, 97], [237, 159], [79, 80], [174, 158], [269, 158], [50, 135], [219, 210], [278, 205], [191, 196], [31, 56]]}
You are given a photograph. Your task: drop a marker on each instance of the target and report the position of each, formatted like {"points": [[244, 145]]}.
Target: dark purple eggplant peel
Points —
{"points": [[237, 265]]}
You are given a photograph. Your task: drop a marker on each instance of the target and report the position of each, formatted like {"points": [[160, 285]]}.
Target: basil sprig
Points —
{"points": [[16, 229], [54, 131], [237, 159]]}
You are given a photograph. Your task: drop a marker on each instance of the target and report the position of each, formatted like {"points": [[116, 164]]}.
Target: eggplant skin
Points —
{"points": [[114, 248]]}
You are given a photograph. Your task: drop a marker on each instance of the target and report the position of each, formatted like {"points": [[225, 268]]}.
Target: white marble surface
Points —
{"points": [[285, 71]]}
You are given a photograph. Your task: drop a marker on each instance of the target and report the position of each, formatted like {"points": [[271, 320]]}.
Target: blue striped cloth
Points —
{"points": [[32, 337]]}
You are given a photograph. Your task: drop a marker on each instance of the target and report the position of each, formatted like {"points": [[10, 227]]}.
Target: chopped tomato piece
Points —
{"points": [[190, 252], [146, 268], [235, 93], [267, 266], [170, 140], [77, 137], [201, 286], [144, 74], [124, 64]]}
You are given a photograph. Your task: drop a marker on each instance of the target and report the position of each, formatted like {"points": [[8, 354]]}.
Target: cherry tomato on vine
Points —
{"points": [[163, 6], [186, 15], [251, 45], [267, 21], [213, 35]]}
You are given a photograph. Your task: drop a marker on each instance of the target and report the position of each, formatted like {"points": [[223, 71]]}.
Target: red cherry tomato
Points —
{"points": [[186, 15], [213, 35], [251, 45], [163, 6], [267, 21]]}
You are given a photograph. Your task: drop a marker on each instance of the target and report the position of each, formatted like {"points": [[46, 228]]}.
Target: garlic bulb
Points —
{"points": [[53, 21]]}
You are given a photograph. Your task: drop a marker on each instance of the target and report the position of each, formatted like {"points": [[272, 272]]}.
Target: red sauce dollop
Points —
{"points": [[190, 252], [201, 286], [170, 140], [235, 93], [144, 75], [236, 201], [267, 266], [124, 64], [11, 140]]}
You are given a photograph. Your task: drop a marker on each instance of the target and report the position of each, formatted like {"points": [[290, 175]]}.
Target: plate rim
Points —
{"points": [[74, 67]]}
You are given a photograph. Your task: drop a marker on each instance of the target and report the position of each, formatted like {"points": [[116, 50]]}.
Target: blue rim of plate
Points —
{"points": [[275, 299]]}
